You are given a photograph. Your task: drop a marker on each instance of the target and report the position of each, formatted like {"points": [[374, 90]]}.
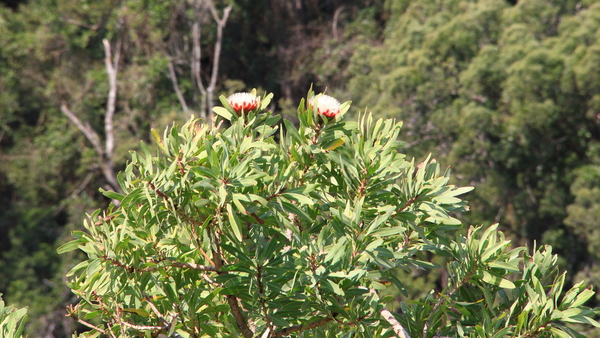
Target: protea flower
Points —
{"points": [[326, 105], [243, 101]]}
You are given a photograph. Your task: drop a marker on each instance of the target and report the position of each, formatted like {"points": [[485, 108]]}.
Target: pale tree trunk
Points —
{"points": [[217, 54], [201, 8], [106, 151], [112, 67], [196, 56]]}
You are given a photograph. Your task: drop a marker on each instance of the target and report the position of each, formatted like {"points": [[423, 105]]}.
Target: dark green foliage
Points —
{"points": [[509, 93]]}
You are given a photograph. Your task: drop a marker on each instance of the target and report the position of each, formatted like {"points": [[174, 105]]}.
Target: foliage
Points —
{"points": [[507, 92], [264, 229], [12, 320]]}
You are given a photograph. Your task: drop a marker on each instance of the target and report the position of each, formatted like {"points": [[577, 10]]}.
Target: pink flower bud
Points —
{"points": [[243, 101], [326, 105]]}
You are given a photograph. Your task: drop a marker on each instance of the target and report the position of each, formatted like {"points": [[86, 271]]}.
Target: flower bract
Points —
{"points": [[243, 102], [326, 105]]}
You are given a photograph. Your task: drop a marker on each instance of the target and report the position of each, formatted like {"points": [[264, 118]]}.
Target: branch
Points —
{"points": [[81, 186], [86, 129], [334, 24], [90, 325], [396, 326], [239, 316], [72, 312], [215, 69], [196, 55], [112, 67], [194, 266], [142, 327], [182, 265], [173, 76], [298, 328], [442, 300], [105, 153], [167, 325]]}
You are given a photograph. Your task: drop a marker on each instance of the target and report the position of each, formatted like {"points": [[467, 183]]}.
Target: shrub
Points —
{"points": [[258, 228]]}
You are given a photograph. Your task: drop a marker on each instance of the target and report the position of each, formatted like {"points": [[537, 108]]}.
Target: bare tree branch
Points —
{"points": [[196, 55], [106, 152], [201, 8], [218, 44], [112, 67], [86, 129], [173, 76], [334, 24]]}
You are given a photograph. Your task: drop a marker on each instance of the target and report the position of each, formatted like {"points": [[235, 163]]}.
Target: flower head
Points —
{"points": [[243, 101], [326, 105]]}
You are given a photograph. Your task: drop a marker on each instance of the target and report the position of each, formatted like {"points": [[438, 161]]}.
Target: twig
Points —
{"points": [[86, 129], [182, 265], [396, 326], [173, 76], [442, 300], [167, 325], [141, 327], [194, 266], [297, 328], [90, 325], [81, 186]]}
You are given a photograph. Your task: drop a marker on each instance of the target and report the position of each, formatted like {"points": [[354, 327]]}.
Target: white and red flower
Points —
{"points": [[243, 102], [326, 105]]}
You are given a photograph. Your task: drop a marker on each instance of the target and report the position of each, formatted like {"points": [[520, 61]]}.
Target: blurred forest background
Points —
{"points": [[505, 91]]}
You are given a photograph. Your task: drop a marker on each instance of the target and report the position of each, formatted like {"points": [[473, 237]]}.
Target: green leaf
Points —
{"points": [[70, 246], [235, 223], [226, 114], [497, 281], [291, 130], [583, 297], [504, 265], [112, 195], [581, 319], [302, 199], [559, 333]]}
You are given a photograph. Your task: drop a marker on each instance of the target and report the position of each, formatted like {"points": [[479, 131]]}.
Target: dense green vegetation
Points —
{"points": [[265, 229], [507, 92]]}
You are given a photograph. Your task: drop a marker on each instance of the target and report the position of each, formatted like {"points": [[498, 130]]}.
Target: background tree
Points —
{"points": [[507, 93]]}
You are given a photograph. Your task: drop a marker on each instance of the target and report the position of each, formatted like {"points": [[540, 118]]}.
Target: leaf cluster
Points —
{"points": [[264, 228], [12, 320]]}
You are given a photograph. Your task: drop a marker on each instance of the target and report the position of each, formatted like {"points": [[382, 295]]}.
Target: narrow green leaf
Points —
{"points": [[497, 281], [111, 194], [302, 199], [235, 223], [70, 246], [223, 113]]}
